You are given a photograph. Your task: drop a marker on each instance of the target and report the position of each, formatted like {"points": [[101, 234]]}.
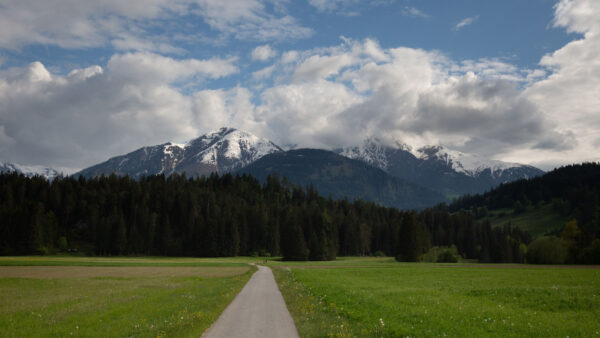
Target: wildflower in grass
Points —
{"points": [[381, 321]]}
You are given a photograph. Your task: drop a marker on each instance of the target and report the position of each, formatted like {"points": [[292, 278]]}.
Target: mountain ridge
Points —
{"points": [[436, 167]]}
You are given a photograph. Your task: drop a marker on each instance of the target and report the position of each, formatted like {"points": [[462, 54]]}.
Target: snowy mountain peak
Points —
{"points": [[30, 170], [451, 172], [222, 150], [373, 152]]}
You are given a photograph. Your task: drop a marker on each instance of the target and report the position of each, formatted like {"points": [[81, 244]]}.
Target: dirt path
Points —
{"points": [[257, 311]]}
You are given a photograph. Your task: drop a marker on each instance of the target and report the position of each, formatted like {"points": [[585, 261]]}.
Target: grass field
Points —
{"points": [[393, 299], [351, 296], [112, 297]]}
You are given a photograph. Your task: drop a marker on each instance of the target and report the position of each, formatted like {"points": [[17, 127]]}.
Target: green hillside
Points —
{"points": [[537, 221]]}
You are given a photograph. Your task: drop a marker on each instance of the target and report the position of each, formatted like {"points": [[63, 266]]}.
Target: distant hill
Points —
{"points": [[341, 177], [544, 204]]}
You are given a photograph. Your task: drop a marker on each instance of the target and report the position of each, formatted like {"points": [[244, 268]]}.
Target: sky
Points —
{"points": [[82, 81]]}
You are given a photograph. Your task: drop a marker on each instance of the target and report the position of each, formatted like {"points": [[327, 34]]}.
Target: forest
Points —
{"points": [[229, 216], [573, 192]]}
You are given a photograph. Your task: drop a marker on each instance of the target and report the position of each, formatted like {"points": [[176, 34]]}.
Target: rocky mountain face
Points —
{"points": [[449, 172], [220, 151], [29, 170]]}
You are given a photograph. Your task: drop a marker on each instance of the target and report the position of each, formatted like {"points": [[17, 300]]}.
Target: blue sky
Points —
{"points": [[512, 80]]}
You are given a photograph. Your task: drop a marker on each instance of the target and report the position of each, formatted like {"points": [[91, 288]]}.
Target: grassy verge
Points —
{"points": [[147, 305], [438, 300]]}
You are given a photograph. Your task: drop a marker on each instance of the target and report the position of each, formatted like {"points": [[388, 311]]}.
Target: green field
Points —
{"points": [[348, 297], [402, 299], [115, 297]]}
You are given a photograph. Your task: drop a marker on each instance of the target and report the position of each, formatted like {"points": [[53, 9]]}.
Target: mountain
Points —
{"points": [[449, 172], [342, 177], [29, 171], [220, 151]]}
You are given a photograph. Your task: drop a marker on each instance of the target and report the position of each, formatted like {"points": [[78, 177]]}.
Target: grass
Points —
{"points": [[402, 299], [147, 303], [536, 221]]}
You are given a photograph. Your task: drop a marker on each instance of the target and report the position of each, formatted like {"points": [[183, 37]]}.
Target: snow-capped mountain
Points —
{"points": [[450, 172], [29, 170], [221, 151]]}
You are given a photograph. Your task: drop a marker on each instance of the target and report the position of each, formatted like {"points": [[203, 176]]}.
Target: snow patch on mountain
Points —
{"points": [[468, 164], [373, 152]]}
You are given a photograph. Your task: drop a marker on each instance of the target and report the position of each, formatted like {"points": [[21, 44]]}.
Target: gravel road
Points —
{"points": [[257, 311]]}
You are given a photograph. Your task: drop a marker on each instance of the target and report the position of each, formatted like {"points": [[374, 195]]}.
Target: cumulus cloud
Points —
{"points": [[569, 94], [465, 22], [95, 23], [338, 96], [263, 53], [93, 113]]}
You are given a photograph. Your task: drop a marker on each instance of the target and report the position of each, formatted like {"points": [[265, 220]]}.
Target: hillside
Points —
{"points": [[544, 204], [341, 177]]}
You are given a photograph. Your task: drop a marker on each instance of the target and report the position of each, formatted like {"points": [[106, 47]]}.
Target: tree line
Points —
{"points": [[228, 216]]}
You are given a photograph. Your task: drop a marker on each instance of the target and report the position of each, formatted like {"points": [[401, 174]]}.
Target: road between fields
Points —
{"points": [[257, 311]]}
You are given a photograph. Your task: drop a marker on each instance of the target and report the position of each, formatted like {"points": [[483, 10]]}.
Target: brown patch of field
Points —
{"points": [[117, 271]]}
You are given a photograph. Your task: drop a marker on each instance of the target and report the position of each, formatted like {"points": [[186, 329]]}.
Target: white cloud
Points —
{"points": [[264, 73], [466, 22], [96, 23], [330, 5], [339, 95], [263, 53], [249, 20], [415, 12], [93, 113], [346, 7], [569, 94]]}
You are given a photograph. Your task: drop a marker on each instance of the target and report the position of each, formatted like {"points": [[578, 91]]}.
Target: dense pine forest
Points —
{"points": [[228, 216]]}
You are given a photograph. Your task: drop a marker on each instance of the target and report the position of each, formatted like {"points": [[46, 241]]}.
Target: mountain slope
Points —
{"points": [[29, 171], [449, 172], [220, 151], [342, 177]]}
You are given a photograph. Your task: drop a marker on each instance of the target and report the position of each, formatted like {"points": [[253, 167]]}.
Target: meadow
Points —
{"points": [[112, 297], [348, 297], [378, 297]]}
